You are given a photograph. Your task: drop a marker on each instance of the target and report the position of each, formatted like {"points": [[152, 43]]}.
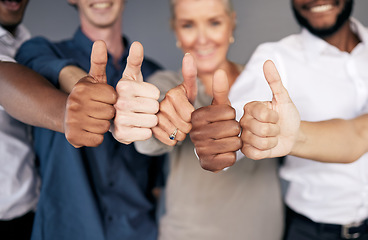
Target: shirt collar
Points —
{"points": [[20, 36], [85, 44], [316, 46]]}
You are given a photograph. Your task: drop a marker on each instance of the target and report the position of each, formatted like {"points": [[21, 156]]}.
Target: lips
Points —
{"points": [[101, 5], [320, 6], [205, 52], [11, 5]]}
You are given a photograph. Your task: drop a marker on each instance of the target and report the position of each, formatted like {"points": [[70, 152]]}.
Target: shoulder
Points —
{"points": [[165, 80], [290, 41], [149, 66], [42, 44]]}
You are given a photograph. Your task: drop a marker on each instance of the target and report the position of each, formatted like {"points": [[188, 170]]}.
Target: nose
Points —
{"points": [[202, 35]]}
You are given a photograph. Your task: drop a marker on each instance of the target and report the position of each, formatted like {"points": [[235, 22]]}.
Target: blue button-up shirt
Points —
{"points": [[89, 193]]}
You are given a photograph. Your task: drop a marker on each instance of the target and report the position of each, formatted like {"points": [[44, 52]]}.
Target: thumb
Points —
{"points": [[220, 88], [98, 61], [134, 62], [273, 78], [189, 71]]}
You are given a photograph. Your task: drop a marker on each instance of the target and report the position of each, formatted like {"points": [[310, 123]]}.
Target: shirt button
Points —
{"points": [[109, 218], [111, 184]]}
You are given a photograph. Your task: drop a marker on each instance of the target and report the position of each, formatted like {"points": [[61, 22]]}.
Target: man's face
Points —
{"points": [[99, 13], [11, 12], [322, 17]]}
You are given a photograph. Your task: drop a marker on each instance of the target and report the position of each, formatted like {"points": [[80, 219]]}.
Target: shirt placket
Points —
{"points": [[361, 99]]}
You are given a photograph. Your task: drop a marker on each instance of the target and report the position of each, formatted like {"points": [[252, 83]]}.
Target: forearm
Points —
{"points": [[30, 98], [69, 76], [336, 140], [152, 147]]}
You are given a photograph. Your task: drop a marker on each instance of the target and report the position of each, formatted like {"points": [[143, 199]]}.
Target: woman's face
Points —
{"points": [[204, 28]]}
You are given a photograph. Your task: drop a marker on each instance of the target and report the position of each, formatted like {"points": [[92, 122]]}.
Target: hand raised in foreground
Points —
{"points": [[89, 106], [215, 130], [174, 117], [270, 128], [137, 102]]}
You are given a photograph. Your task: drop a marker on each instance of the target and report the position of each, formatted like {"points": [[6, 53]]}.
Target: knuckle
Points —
{"points": [[256, 154], [232, 112], [231, 160], [265, 115], [96, 141], [195, 117], [81, 87], [263, 143], [122, 104], [156, 106], [111, 111], [264, 130], [194, 136], [250, 152], [238, 143], [207, 165], [236, 128], [105, 126], [154, 121], [124, 86], [73, 105], [171, 95], [155, 91]]}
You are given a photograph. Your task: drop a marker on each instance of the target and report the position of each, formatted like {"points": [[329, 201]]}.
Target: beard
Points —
{"points": [[18, 1], [328, 31]]}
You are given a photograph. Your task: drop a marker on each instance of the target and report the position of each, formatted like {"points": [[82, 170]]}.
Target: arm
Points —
{"points": [[30, 98], [336, 140], [90, 105], [271, 129], [174, 116], [175, 109], [63, 72], [69, 76], [164, 81], [215, 130], [137, 102]]}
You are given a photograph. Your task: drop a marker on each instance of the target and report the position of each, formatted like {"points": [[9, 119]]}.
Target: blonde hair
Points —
{"points": [[228, 4]]}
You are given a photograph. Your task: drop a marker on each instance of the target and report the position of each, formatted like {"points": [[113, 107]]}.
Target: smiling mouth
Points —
{"points": [[321, 8], [12, 5], [205, 52], [102, 5]]}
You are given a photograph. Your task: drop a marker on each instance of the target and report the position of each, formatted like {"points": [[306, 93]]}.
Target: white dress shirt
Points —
{"points": [[19, 182], [324, 83], [9, 44]]}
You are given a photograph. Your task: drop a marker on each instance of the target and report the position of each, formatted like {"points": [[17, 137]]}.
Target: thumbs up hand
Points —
{"points": [[137, 102], [174, 117], [270, 128], [215, 130], [89, 106]]}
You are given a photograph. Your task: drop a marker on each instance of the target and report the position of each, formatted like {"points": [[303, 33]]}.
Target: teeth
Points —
{"points": [[101, 5], [205, 52], [322, 8]]}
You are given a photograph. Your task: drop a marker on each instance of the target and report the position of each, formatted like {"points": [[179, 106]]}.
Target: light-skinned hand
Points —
{"points": [[137, 102], [269, 129], [177, 106]]}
